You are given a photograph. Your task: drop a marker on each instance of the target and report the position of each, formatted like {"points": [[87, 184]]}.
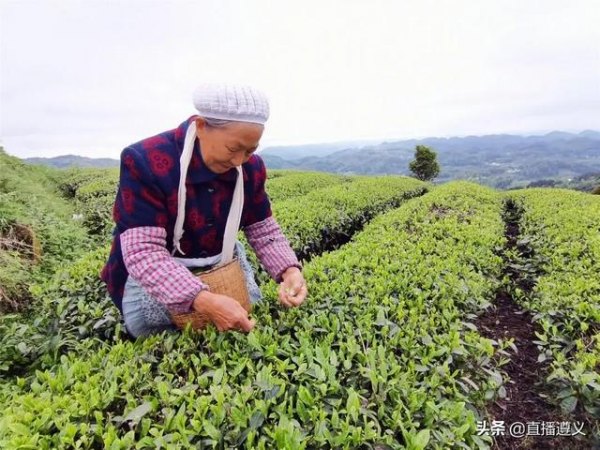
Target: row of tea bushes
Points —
{"points": [[93, 192], [327, 217], [74, 180], [295, 184], [562, 228], [381, 355]]}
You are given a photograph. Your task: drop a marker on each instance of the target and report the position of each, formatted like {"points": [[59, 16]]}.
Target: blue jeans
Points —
{"points": [[144, 315]]}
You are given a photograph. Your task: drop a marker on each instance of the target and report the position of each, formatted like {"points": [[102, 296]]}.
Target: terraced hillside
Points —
{"points": [[427, 310]]}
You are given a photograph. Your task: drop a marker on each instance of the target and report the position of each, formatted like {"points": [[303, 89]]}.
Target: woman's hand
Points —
{"points": [[223, 311], [292, 290]]}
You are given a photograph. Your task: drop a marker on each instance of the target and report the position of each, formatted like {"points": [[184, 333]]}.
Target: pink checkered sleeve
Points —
{"points": [[149, 263], [271, 247]]}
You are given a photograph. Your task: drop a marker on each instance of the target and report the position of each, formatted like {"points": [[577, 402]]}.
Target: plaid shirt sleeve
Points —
{"points": [[271, 247], [148, 261], [140, 214]]}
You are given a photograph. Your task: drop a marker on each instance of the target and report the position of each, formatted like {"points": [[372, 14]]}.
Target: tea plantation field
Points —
{"points": [[388, 351]]}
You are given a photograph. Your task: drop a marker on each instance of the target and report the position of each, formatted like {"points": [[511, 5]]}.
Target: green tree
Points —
{"points": [[596, 191], [425, 166]]}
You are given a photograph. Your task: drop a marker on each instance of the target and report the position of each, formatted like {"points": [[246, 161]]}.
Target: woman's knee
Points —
{"points": [[137, 325]]}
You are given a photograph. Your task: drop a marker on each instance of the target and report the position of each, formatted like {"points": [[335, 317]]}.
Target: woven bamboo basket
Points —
{"points": [[228, 279]]}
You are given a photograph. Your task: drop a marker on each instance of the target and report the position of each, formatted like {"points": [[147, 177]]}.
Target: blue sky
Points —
{"points": [[90, 77]]}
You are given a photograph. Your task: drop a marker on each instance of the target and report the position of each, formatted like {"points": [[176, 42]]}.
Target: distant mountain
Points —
{"points": [[294, 152], [499, 160], [590, 134], [277, 162], [586, 182], [63, 162]]}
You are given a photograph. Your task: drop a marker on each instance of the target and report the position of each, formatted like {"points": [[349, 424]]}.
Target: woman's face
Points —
{"points": [[226, 147]]}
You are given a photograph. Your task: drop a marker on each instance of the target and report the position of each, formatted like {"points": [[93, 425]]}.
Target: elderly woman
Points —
{"points": [[171, 211]]}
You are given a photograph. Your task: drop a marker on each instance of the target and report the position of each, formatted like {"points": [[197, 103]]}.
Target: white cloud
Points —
{"points": [[90, 77]]}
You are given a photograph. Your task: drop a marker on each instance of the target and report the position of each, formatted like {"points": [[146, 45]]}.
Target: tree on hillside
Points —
{"points": [[425, 166], [596, 191]]}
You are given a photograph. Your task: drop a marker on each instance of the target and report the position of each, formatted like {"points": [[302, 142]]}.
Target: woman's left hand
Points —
{"points": [[292, 290]]}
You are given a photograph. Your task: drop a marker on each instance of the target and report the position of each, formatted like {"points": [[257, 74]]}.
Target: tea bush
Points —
{"points": [[562, 228]]}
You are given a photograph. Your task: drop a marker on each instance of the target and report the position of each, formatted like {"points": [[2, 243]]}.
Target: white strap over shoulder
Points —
{"points": [[234, 218], [235, 213], [184, 162]]}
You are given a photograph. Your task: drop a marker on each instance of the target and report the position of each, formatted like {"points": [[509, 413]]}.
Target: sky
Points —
{"points": [[91, 77]]}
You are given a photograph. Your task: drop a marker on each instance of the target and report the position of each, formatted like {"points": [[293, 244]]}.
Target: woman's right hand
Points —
{"points": [[223, 311]]}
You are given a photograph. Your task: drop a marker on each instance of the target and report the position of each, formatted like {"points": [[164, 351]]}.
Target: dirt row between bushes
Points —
{"points": [[525, 401]]}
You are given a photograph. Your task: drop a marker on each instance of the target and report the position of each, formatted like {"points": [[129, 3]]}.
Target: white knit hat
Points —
{"points": [[237, 102]]}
